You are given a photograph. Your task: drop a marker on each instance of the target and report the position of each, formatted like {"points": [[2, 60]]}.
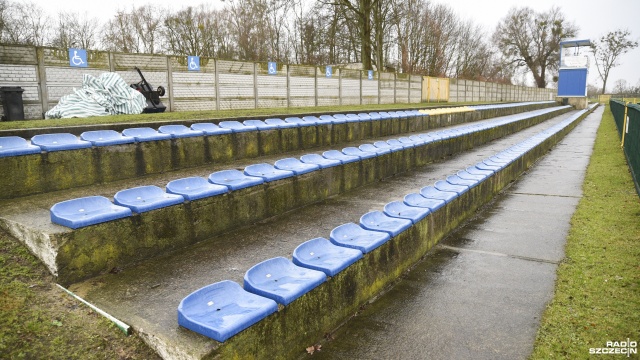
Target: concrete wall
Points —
{"points": [[46, 76], [469, 90]]}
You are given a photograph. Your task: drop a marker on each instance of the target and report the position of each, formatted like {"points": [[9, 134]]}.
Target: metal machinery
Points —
{"points": [[154, 105]]}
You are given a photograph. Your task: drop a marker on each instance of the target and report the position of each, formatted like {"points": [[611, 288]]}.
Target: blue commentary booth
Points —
{"points": [[573, 72]]}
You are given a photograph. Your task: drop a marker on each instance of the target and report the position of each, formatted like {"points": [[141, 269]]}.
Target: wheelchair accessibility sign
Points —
{"points": [[328, 71], [193, 63], [370, 75], [272, 68], [77, 57]]}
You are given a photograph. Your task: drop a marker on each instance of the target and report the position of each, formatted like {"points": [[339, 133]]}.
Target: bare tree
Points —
{"points": [[25, 23], [147, 20], [533, 39], [74, 30], [608, 50], [119, 35]]}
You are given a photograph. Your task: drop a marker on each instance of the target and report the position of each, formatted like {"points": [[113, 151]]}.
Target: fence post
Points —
{"points": [[395, 87], [339, 87], [625, 124], [170, 83], [288, 87], [361, 86], [42, 80], [315, 84], [378, 87], [255, 85], [217, 83]]}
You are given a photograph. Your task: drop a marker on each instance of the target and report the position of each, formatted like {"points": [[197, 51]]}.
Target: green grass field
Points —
{"points": [[597, 293]]}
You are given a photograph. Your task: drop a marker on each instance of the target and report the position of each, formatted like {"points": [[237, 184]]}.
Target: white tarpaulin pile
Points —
{"points": [[108, 94]]}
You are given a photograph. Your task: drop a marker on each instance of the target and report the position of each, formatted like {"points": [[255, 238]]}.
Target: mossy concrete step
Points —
{"points": [[146, 296], [51, 171], [74, 255]]}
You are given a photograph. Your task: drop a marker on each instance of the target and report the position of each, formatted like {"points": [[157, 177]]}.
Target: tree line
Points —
{"points": [[408, 36]]}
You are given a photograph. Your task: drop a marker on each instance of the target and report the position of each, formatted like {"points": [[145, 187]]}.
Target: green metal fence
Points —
{"points": [[627, 118]]}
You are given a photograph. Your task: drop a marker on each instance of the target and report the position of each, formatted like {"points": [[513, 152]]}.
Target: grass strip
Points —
{"points": [[40, 321], [597, 291], [213, 115]]}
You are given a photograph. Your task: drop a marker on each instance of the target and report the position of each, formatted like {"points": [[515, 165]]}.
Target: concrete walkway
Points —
{"points": [[481, 292]]}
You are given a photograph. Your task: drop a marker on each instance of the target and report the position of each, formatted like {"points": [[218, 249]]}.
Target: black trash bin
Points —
{"points": [[12, 102]]}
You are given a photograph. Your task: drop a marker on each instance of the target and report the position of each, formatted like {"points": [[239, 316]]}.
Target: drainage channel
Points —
{"points": [[481, 292], [146, 296]]}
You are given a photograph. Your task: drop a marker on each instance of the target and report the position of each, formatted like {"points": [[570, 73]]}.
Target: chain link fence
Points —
{"points": [[627, 118]]}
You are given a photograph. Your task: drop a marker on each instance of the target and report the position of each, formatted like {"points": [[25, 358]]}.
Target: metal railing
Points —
{"points": [[627, 118]]}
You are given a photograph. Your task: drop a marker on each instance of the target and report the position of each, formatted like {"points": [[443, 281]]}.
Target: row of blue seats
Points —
{"points": [[223, 309], [15, 145], [507, 105], [92, 210]]}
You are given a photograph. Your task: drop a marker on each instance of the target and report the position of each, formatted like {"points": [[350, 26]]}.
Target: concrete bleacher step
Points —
{"points": [[97, 157], [147, 296], [157, 227]]}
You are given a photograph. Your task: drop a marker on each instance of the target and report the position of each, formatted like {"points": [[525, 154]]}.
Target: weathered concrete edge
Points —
{"points": [[286, 333], [51, 171]]}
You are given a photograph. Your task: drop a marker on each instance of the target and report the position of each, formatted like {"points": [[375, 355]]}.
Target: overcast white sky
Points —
{"points": [[593, 17]]}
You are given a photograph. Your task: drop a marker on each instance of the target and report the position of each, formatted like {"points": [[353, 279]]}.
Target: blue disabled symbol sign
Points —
{"points": [[77, 57], [370, 75], [193, 63], [272, 68], [328, 72]]}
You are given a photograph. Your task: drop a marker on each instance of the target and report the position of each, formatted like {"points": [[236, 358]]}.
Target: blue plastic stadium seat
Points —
{"points": [[260, 125], [496, 165], [312, 120], [430, 137], [234, 179], [406, 141], [354, 151], [374, 149], [210, 129], [146, 198], [145, 134], [396, 142], [236, 126], [354, 236], [267, 171], [446, 186], [340, 118], [106, 137], [297, 121], [384, 115], [379, 221], [337, 155], [281, 123], [364, 117], [464, 174], [329, 118], [193, 188], [476, 171], [319, 160], [57, 142], [457, 180], [320, 254], [15, 145], [353, 118], [374, 116], [179, 131], [281, 280], [492, 167], [393, 115], [417, 140], [385, 145], [432, 193], [418, 200], [500, 160], [403, 211], [295, 165], [86, 211], [223, 309]]}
